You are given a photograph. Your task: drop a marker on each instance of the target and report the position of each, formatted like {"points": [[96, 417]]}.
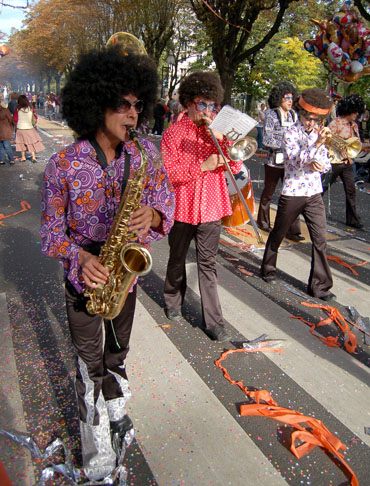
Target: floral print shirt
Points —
{"points": [[300, 151], [80, 200]]}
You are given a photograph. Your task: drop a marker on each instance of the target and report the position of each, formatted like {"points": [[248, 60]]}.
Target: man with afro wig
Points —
{"points": [[306, 158], [107, 94]]}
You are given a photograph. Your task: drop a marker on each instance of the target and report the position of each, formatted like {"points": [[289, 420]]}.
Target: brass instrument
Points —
{"points": [[120, 255], [340, 148], [242, 149]]}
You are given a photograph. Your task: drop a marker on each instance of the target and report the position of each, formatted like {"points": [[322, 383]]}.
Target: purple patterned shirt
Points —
{"points": [[80, 199]]}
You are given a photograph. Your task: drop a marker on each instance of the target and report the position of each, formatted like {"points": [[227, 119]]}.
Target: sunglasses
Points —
{"points": [[309, 118], [202, 106], [287, 98], [126, 105]]}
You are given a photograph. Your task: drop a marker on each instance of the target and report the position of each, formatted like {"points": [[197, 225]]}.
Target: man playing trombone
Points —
{"points": [[196, 170], [306, 158]]}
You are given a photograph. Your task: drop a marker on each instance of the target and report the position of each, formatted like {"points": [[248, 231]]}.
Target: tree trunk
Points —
{"points": [[227, 79], [57, 78]]}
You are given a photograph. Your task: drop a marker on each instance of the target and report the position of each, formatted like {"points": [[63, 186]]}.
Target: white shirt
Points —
{"points": [[300, 151]]}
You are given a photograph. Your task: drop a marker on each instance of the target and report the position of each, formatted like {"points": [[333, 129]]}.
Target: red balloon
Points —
{"points": [[4, 50]]}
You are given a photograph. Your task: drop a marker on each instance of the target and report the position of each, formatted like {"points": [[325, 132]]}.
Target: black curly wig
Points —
{"points": [[201, 83], [315, 98], [99, 81], [351, 104], [278, 92]]}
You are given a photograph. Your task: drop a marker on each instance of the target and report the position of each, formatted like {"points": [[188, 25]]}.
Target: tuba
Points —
{"points": [[120, 255], [340, 148]]}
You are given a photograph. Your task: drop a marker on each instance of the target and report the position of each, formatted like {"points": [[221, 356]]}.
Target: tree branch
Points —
{"points": [[365, 14], [15, 6]]}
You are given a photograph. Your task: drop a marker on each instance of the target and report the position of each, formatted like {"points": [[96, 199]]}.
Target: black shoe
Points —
{"points": [[271, 279], [328, 297], [295, 238], [173, 314], [218, 334], [356, 225], [265, 228]]}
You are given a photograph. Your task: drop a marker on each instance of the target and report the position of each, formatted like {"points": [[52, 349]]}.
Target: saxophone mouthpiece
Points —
{"points": [[132, 132]]}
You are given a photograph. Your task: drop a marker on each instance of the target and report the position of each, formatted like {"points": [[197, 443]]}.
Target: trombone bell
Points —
{"points": [[242, 149]]}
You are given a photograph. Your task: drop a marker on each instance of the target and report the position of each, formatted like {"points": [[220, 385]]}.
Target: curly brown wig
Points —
{"points": [[99, 81], [278, 92], [201, 83], [351, 104], [316, 99]]}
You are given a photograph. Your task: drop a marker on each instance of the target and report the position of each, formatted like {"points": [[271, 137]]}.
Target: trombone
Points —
{"points": [[241, 149]]}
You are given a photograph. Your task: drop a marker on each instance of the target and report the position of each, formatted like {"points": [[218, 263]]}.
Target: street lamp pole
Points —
{"points": [[167, 70]]}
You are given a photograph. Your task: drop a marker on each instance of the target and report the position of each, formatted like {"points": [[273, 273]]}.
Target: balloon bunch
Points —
{"points": [[3, 51], [343, 43]]}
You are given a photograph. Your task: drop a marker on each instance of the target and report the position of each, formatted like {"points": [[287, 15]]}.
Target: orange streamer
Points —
{"points": [[226, 21], [350, 340], [239, 232], [316, 434], [25, 207], [4, 478], [338, 260]]}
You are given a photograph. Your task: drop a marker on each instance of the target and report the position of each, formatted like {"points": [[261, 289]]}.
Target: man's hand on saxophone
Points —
{"points": [[144, 218], [93, 272]]}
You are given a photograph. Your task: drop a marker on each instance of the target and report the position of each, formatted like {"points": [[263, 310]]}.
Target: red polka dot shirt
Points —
{"points": [[201, 197]]}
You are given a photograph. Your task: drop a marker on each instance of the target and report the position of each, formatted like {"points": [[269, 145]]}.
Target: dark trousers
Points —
{"points": [[206, 236], [158, 125], [272, 177], [99, 358], [345, 172], [313, 210]]}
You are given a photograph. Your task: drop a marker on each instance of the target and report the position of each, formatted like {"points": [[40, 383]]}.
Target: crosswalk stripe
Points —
{"points": [[186, 434]]}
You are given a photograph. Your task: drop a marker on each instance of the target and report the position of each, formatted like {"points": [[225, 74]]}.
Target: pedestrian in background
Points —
{"points": [[13, 102], [278, 118], [6, 132], [27, 138], [261, 120]]}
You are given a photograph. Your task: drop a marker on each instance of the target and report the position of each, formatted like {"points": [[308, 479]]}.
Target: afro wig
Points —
{"points": [[351, 104], [203, 84], [313, 98], [278, 92], [99, 81]]}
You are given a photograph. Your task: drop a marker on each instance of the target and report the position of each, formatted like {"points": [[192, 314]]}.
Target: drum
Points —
{"points": [[240, 215]]}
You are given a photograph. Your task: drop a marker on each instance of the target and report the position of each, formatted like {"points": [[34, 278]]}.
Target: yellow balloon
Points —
{"points": [[128, 42]]}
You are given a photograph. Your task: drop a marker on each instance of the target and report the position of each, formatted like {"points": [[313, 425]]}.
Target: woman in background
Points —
{"points": [[27, 137]]}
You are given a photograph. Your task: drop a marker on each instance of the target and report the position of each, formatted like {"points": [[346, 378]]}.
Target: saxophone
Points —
{"points": [[120, 255]]}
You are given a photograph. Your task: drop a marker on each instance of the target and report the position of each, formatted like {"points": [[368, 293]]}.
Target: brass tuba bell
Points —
{"points": [[242, 149], [340, 148]]}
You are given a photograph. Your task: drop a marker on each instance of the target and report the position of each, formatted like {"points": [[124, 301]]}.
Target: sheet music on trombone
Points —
{"points": [[233, 123]]}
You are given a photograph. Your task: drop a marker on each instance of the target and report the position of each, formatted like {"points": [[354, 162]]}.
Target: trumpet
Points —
{"points": [[340, 148]]}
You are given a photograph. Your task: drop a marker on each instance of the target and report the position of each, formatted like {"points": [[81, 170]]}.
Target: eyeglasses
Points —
{"points": [[126, 105], [288, 97], [202, 106]]}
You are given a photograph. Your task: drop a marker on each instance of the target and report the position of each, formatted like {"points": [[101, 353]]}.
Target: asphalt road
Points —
{"points": [[189, 429]]}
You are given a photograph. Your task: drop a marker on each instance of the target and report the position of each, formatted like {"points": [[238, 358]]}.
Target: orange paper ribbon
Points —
{"points": [[316, 434], [350, 340], [338, 260]]}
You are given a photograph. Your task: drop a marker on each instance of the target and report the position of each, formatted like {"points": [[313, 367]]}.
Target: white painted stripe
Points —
{"points": [[330, 375], [47, 134], [185, 433], [17, 460]]}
